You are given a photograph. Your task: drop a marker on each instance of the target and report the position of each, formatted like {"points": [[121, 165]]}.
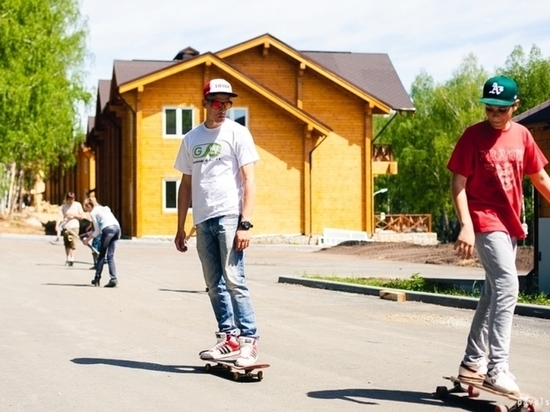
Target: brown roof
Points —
{"points": [[104, 89], [537, 114], [371, 72], [91, 123], [128, 70]]}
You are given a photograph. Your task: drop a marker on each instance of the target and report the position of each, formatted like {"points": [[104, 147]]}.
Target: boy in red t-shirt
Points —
{"points": [[488, 165]]}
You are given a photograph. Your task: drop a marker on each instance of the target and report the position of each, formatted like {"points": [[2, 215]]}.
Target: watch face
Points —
{"points": [[245, 225]]}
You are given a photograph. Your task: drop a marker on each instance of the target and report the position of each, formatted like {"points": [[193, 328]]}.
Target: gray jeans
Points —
{"points": [[491, 330]]}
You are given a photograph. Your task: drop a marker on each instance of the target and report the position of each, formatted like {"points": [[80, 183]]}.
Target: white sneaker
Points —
{"points": [[249, 351], [474, 373], [500, 379], [226, 346]]}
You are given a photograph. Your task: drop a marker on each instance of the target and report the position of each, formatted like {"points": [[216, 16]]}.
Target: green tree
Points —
{"points": [[532, 74], [42, 52], [423, 142]]}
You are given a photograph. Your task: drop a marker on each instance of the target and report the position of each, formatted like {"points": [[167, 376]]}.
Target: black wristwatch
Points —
{"points": [[245, 225]]}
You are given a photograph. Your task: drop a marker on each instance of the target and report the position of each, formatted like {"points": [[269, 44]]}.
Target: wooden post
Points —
{"points": [[368, 194]]}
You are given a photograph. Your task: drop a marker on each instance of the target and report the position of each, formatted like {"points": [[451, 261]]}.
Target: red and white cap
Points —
{"points": [[218, 86]]}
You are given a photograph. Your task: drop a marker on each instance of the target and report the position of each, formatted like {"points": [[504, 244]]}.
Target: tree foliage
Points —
{"points": [[423, 142], [42, 51], [42, 46], [532, 74]]}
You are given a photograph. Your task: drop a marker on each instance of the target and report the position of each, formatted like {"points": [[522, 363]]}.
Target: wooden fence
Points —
{"points": [[404, 223]]}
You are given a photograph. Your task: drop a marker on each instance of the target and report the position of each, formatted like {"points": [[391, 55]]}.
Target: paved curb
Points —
{"points": [[535, 311]]}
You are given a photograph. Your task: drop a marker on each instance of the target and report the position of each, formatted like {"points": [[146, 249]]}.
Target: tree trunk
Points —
{"points": [[11, 177]]}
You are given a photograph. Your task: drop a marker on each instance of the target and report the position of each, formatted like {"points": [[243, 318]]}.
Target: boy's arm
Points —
{"points": [[242, 237], [184, 201], [541, 181], [466, 238]]}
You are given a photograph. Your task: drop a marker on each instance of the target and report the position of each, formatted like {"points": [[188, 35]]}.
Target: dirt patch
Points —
{"points": [[33, 223], [441, 254]]}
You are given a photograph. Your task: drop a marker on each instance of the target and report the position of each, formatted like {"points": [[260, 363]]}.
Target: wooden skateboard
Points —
{"points": [[236, 372], [524, 402], [72, 232]]}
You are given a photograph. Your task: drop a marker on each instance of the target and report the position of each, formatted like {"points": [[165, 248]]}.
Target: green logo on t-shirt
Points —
{"points": [[207, 150]]}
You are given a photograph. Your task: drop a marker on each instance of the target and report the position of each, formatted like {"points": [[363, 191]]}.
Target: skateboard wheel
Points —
{"points": [[441, 392], [260, 375], [235, 376], [473, 392], [534, 408], [501, 408], [207, 367]]}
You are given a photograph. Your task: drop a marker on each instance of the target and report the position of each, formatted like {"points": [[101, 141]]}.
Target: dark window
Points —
{"points": [[171, 127]]}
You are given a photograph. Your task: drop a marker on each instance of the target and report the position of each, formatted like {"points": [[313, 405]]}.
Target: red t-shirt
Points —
{"points": [[494, 162]]}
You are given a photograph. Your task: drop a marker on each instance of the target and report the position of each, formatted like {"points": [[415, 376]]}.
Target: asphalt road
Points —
{"points": [[67, 346]]}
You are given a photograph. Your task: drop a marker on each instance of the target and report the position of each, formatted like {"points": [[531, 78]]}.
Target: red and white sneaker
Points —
{"points": [[227, 346], [249, 351]]}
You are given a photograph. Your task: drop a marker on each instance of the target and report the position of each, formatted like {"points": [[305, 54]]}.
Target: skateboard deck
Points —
{"points": [[523, 402], [236, 372], [72, 232]]}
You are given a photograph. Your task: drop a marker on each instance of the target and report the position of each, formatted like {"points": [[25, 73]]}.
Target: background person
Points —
{"points": [[106, 225], [68, 226]]}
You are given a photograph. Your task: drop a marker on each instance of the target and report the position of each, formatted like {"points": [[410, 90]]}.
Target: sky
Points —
{"points": [[418, 35]]}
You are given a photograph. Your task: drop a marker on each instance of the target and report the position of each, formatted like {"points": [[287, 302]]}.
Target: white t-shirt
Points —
{"points": [[213, 158], [102, 217], [73, 209]]}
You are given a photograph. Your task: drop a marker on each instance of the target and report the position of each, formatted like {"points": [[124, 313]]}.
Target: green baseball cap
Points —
{"points": [[500, 91]]}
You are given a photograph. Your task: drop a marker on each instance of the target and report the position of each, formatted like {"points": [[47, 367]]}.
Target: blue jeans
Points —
{"points": [[491, 329], [223, 270], [109, 237]]}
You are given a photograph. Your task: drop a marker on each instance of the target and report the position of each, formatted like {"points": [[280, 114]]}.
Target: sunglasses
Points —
{"points": [[216, 104], [493, 109]]}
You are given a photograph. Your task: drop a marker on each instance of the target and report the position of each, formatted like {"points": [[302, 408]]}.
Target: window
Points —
{"points": [[170, 195], [177, 121], [238, 114]]}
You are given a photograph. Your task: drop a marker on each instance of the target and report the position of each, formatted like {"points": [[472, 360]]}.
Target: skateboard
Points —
{"points": [[236, 372], [523, 402], [72, 232]]}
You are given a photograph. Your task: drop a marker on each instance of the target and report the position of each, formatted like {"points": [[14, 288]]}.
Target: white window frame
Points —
{"points": [[231, 114], [179, 110]]}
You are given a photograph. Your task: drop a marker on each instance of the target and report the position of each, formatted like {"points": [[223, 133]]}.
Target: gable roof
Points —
{"points": [[211, 59], [372, 73], [103, 90], [372, 77], [128, 70], [537, 114]]}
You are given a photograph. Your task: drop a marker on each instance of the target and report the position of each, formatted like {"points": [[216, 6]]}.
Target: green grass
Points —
{"points": [[419, 284]]}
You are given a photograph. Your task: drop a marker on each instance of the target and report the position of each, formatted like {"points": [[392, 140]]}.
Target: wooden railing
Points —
{"points": [[404, 223], [382, 153]]}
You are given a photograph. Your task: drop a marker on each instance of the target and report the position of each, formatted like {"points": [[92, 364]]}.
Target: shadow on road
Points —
{"points": [[201, 292], [79, 285], [370, 396], [139, 365]]}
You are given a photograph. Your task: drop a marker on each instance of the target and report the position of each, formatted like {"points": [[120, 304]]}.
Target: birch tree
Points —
{"points": [[42, 54]]}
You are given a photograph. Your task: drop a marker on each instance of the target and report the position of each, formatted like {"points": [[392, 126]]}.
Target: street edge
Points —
{"points": [[536, 311]]}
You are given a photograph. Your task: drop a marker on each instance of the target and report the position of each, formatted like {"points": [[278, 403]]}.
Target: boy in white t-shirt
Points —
{"points": [[69, 226], [217, 161]]}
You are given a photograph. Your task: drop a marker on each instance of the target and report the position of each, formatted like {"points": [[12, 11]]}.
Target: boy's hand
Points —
{"points": [[464, 245]]}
